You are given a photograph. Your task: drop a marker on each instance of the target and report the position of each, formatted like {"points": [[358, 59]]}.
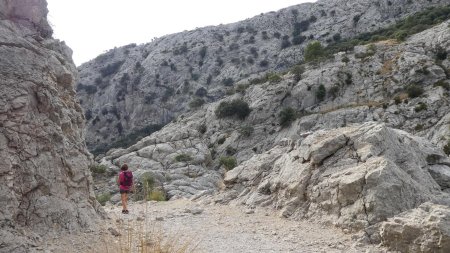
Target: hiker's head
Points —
{"points": [[124, 167]]}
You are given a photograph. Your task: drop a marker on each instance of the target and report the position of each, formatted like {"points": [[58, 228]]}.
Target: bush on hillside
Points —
{"points": [[183, 158], [414, 91], [228, 162], [246, 131], [111, 68], [447, 148], [321, 92], [237, 107], [287, 116], [228, 81], [196, 103], [314, 51]]}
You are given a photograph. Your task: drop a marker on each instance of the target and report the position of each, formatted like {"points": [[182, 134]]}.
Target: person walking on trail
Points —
{"points": [[125, 182]]}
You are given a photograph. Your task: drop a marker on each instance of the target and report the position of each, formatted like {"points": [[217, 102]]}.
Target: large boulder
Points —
{"points": [[45, 186], [423, 229]]}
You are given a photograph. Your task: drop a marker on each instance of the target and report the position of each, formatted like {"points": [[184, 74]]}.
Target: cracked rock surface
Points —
{"points": [[45, 184], [353, 177]]}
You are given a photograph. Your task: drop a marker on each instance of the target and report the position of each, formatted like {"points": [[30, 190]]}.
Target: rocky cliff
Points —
{"points": [[45, 185], [135, 89]]}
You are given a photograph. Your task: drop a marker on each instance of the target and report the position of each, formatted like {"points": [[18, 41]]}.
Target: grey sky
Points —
{"points": [[90, 27]]}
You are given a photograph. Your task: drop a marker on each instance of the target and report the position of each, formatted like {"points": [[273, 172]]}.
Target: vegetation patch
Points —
{"points": [[321, 92], [413, 24], [183, 158], [447, 148], [314, 51], [111, 68], [103, 198], [98, 169], [196, 103], [156, 195], [228, 162], [287, 116], [414, 91], [237, 108], [129, 139], [246, 131]]}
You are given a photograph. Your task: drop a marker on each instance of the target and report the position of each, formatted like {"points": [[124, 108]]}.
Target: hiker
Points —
{"points": [[125, 182]]}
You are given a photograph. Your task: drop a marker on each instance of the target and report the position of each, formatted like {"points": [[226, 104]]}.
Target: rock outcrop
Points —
{"points": [[129, 88], [424, 229], [354, 178], [45, 186], [177, 161]]}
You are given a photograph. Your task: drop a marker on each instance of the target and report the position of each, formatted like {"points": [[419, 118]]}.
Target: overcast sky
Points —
{"points": [[90, 27]]}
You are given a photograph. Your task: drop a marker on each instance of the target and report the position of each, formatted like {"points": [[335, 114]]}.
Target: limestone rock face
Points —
{"points": [[353, 177], [45, 182], [129, 88], [424, 229], [177, 159]]}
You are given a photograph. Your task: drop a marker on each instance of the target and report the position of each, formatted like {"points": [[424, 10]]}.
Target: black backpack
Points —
{"points": [[127, 178]]}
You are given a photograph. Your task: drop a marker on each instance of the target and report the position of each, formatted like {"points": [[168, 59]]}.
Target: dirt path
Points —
{"points": [[203, 228], [218, 228]]}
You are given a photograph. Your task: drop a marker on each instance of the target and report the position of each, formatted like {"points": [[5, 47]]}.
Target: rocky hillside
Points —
{"points": [[132, 91], [322, 142], [46, 185]]}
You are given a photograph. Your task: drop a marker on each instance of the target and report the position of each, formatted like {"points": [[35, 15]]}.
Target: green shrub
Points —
{"points": [[181, 49], [241, 88], [345, 59], [88, 114], [237, 107], [111, 68], [230, 150], [300, 27], [221, 140], [273, 78], [202, 128], [441, 53], [264, 63], [196, 103], [321, 92], [90, 89], [418, 127], [414, 91], [228, 162], [103, 198], [202, 52], [447, 148], [413, 24], [420, 107], [433, 158], [183, 158], [287, 116], [333, 91], [313, 51], [246, 131], [127, 140], [397, 100], [156, 195], [98, 169], [443, 84], [228, 81], [297, 71]]}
